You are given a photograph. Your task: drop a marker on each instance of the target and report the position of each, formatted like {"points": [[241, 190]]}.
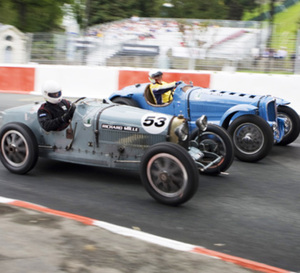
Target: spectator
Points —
{"points": [[281, 53]]}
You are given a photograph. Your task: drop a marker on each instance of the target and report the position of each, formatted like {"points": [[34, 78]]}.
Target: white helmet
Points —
{"points": [[153, 74], [52, 92]]}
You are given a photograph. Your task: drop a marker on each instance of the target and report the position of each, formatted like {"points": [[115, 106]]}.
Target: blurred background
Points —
{"points": [[217, 35]]}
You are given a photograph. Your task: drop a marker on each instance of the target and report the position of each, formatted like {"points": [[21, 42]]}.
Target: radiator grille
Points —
{"points": [[130, 139], [271, 110]]}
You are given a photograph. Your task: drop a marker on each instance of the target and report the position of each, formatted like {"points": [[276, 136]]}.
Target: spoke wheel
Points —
{"points": [[169, 173], [252, 137], [19, 148], [291, 125], [214, 142]]}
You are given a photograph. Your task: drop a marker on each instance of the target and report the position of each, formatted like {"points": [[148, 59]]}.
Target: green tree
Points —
{"points": [[102, 11], [46, 15], [8, 14], [80, 9], [236, 8], [32, 15], [198, 9], [147, 8]]}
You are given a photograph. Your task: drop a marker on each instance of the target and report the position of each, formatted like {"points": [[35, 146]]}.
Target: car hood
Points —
{"points": [[109, 116], [225, 97]]}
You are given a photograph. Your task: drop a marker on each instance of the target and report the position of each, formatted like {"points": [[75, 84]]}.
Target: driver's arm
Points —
{"points": [[163, 88]]}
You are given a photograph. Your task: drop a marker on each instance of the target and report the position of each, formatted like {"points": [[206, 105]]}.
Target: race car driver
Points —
{"points": [[161, 91], [56, 113]]}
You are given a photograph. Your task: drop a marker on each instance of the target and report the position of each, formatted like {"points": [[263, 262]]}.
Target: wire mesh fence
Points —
{"points": [[170, 44]]}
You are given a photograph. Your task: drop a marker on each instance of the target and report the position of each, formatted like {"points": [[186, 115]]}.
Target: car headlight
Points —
{"points": [[178, 130], [202, 123], [275, 130], [182, 132]]}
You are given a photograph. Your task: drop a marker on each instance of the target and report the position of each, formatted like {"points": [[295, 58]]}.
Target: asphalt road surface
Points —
{"points": [[253, 213]]}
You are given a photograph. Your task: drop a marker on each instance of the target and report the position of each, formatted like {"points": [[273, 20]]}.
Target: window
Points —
{"points": [[8, 38], [8, 54]]}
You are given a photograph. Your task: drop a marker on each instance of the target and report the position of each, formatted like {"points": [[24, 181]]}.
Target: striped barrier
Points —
{"points": [[176, 245], [100, 82]]}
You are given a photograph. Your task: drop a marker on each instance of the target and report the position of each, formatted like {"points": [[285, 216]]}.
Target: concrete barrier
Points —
{"points": [[100, 82], [17, 79]]}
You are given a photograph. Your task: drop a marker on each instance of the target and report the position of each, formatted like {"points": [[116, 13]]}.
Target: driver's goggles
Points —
{"points": [[55, 95]]}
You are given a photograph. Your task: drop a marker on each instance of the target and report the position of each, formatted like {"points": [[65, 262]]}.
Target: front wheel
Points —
{"points": [[217, 147], [252, 138], [19, 148], [291, 125], [169, 173]]}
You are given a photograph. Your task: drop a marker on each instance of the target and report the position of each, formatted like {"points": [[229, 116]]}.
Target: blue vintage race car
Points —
{"points": [[255, 122]]}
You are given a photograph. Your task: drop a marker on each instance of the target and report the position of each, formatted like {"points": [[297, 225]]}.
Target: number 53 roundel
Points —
{"points": [[155, 123]]}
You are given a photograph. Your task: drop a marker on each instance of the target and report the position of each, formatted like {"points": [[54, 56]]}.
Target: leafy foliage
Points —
{"points": [[32, 15], [102, 11], [46, 15], [236, 8]]}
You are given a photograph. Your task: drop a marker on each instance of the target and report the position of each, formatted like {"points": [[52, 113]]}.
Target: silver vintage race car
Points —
{"points": [[117, 136]]}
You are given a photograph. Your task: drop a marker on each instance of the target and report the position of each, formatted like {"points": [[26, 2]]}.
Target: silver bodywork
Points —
{"points": [[118, 136], [101, 134]]}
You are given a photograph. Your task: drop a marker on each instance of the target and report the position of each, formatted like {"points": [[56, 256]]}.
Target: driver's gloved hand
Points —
{"points": [[72, 109], [179, 82], [69, 114]]}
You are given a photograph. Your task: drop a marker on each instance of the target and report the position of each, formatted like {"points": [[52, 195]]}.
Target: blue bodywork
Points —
{"points": [[220, 107]]}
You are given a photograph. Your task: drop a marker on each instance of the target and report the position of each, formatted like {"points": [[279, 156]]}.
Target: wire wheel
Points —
{"points": [[19, 148]]}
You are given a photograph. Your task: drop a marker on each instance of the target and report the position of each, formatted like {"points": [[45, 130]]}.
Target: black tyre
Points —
{"points": [[291, 126], [125, 101], [19, 148], [169, 173], [252, 137], [215, 141]]}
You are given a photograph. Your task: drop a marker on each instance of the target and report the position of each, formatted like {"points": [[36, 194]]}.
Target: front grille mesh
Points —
{"points": [[130, 139], [271, 110]]}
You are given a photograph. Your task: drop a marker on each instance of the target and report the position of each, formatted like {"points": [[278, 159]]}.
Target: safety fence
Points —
{"points": [[170, 44]]}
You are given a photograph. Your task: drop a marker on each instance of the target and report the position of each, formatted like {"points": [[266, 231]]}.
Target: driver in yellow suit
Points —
{"points": [[161, 91]]}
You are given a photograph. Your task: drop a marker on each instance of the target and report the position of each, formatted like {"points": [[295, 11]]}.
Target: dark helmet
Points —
{"points": [[153, 74]]}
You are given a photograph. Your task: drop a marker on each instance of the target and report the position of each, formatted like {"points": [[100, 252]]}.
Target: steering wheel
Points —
{"points": [[76, 101]]}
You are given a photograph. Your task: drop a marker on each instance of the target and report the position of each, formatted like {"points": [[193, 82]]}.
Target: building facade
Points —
{"points": [[13, 45]]}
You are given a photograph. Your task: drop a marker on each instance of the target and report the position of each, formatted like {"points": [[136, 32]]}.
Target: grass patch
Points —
{"points": [[248, 16], [286, 25]]}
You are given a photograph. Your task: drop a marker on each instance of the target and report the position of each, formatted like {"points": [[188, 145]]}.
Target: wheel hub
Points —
{"points": [[248, 138], [164, 177], [287, 126], [12, 148]]}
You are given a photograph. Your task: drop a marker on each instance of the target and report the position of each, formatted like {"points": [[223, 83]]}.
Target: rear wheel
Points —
{"points": [[291, 126], [19, 148], [169, 173], [252, 137], [125, 101]]}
